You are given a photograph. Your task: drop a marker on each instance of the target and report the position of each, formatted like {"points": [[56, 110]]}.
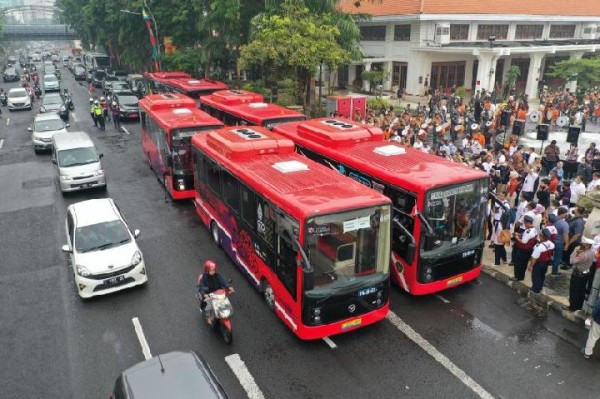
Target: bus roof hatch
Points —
{"points": [[338, 132], [244, 142]]}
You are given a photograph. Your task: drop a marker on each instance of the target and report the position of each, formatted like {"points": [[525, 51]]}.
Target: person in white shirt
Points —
{"points": [[594, 183], [538, 212], [530, 182], [577, 189], [532, 156], [418, 144]]}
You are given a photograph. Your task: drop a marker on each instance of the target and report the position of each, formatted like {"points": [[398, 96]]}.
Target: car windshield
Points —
{"points": [[49, 125], [99, 75], [48, 100], [77, 156], [344, 247], [456, 215], [10, 71], [50, 78], [17, 93], [128, 100], [101, 236]]}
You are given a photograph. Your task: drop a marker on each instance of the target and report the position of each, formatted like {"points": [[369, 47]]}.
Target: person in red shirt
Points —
{"points": [[553, 186]]}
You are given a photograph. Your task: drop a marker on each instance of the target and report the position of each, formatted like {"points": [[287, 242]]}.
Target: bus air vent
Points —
{"points": [[290, 166], [182, 111], [258, 105], [246, 143], [248, 134], [169, 96], [389, 150], [337, 133], [342, 125]]}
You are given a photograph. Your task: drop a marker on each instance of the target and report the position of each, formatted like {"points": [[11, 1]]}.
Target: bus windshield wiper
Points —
{"points": [[343, 290]]}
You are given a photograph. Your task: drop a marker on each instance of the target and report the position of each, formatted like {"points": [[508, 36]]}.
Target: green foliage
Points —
{"points": [[184, 60], [258, 86], [585, 71], [462, 92], [512, 74], [376, 103]]}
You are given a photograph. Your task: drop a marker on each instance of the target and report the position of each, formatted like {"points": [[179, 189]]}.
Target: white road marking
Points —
{"points": [[240, 370], [140, 334], [437, 355], [1, 143], [7, 121], [329, 342], [441, 298], [125, 130]]}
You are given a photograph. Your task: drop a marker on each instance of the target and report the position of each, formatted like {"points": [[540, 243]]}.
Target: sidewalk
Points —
{"points": [[555, 294]]}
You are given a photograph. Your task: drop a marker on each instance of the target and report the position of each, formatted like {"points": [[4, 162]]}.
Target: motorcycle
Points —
{"points": [[38, 91], [3, 100], [220, 314], [68, 100]]}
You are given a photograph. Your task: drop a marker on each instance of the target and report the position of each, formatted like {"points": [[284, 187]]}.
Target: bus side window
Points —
{"points": [[286, 264], [265, 223], [248, 205], [200, 170], [403, 204], [231, 189], [213, 177]]}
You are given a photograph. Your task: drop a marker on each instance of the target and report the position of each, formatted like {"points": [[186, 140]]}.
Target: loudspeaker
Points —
{"points": [[518, 127], [573, 134], [505, 118], [542, 132]]}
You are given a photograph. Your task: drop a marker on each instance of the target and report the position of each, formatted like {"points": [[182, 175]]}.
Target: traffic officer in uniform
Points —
{"points": [[524, 244], [541, 256]]}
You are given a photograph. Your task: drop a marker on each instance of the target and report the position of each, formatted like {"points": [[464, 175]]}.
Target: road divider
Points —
{"points": [[237, 365], [437, 355], [142, 338], [329, 342]]}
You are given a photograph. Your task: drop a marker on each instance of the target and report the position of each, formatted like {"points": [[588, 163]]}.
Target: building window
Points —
{"points": [[529, 31], [447, 74], [485, 31], [373, 33], [562, 31], [459, 32], [402, 33]]}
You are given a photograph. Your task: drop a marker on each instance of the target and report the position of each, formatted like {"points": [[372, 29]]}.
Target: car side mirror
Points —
{"points": [[68, 125], [66, 249], [136, 233], [101, 155], [29, 129]]}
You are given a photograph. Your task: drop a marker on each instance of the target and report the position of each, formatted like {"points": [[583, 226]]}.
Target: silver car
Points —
{"points": [[51, 83], [18, 98], [44, 127]]}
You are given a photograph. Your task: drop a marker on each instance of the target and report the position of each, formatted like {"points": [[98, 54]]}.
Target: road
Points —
{"points": [[472, 341]]}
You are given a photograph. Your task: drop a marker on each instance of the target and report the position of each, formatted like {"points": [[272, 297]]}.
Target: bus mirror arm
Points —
{"points": [[409, 255], [429, 235]]}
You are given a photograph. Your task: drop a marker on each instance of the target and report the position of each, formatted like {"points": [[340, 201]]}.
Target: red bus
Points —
{"points": [[439, 206], [179, 82], [168, 122], [314, 243], [239, 107]]}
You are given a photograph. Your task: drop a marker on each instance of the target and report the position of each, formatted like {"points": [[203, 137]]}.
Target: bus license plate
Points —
{"points": [[114, 280], [454, 280], [351, 324]]}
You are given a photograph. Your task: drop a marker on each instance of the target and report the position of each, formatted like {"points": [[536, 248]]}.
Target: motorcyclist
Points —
{"points": [[209, 282]]}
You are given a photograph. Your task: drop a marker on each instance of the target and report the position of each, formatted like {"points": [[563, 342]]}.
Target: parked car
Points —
{"points": [[36, 58], [74, 61], [44, 127], [128, 105], [55, 103], [10, 75], [97, 77], [179, 375], [103, 253], [79, 72], [18, 98], [65, 60], [107, 83], [121, 74], [50, 83], [12, 60], [118, 87]]}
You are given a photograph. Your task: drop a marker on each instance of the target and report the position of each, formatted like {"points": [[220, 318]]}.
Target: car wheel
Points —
{"points": [[214, 232]]}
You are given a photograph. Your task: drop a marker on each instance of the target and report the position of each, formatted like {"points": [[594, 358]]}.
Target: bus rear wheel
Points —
{"points": [[214, 232], [268, 294]]}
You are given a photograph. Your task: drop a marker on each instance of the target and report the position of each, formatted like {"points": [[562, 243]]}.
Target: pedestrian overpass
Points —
{"points": [[12, 30]]}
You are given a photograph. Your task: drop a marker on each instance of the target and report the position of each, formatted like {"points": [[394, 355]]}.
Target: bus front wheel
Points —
{"points": [[214, 231], [268, 294]]}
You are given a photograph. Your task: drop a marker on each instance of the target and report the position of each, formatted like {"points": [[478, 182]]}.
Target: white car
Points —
{"points": [[51, 83], [102, 249], [18, 98], [44, 127]]}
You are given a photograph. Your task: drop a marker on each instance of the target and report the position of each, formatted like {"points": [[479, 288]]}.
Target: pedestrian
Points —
{"points": [[531, 182], [594, 334], [581, 259], [115, 111], [99, 113], [524, 244], [501, 222], [538, 216], [551, 155], [540, 259], [576, 225], [543, 193], [594, 183], [562, 237], [93, 113], [571, 161], [577, 190]]}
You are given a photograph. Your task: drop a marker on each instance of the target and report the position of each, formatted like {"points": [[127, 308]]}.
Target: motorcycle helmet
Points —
{"points": [[210, 266], [91, 100], [114, 104], [102, 98], [96, 102]]}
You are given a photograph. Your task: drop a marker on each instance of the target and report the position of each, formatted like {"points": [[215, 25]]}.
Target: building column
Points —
{"points": [[486, 63], [366, 83], [351, 74], [572, 85], [533, 74], [387, 75]]}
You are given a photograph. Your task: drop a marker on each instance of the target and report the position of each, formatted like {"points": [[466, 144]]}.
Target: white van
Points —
{"points": [[77, 162]]}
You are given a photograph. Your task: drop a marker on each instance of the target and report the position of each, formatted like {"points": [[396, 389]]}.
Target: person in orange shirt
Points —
{"points": [[479, 137], [553, 186]]}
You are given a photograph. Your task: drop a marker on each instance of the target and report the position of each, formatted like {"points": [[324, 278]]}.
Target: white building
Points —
{"points": [[471, 43]]}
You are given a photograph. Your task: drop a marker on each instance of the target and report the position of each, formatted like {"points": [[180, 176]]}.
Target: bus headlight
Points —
{"points": [[428, 274], [181, 184]]}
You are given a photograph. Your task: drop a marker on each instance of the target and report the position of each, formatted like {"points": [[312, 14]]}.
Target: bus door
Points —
{"points": [[164, 158], [403, 233]]}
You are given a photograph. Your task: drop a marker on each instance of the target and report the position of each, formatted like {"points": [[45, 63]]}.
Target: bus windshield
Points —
{"points": [[345, 246], [182, 146], [456, 214]]}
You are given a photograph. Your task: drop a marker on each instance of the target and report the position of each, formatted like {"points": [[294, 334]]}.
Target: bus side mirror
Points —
{"points": [[429, 241], [411, 249], [308, 277], [169, 160]]}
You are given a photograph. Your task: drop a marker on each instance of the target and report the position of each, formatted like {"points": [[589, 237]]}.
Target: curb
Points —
{"points": [[542, 300]]}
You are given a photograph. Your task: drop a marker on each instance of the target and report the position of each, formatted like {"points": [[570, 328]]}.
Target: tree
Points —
{"points": [[584, 71], [511, 78], [295, 42]]}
